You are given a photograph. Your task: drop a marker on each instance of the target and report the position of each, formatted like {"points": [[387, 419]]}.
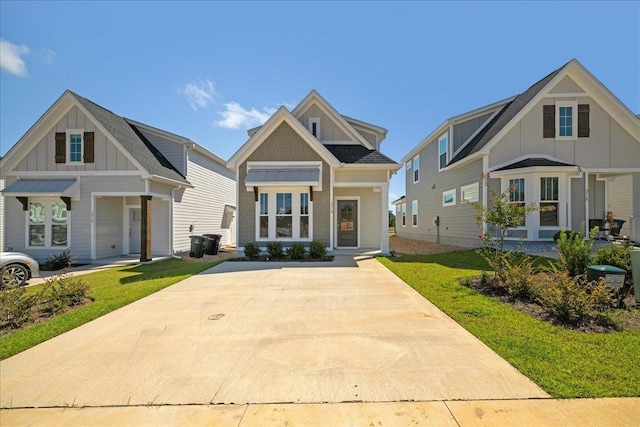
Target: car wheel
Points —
{"points": [[14, 274]]}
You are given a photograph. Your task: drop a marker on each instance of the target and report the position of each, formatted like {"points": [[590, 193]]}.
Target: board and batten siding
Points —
{"points": [[203, 206], [369, 215], [457, 223], [173, 151], [107, 157], [608, 144], [328, 131]]}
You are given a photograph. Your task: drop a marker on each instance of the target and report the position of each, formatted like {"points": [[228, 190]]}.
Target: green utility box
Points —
{"points": [[613, 276]]}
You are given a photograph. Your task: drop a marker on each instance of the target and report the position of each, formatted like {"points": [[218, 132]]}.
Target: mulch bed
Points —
{"points": [[403, 245]]}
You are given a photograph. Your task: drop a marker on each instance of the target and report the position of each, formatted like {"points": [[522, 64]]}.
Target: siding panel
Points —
{"points": [[370, 211], [173, 151], [109, 214]]}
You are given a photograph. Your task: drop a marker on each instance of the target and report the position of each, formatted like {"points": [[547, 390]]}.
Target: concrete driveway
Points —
{"points": [[266, 333]]}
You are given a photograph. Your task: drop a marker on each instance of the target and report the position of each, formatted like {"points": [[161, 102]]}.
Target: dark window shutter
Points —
{"points": [[88, 147], [61, 147], [548, 121], [583, 120]]}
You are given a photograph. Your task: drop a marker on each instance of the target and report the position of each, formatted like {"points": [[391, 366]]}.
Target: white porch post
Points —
{"points": [[384, 236], [635, 216]]}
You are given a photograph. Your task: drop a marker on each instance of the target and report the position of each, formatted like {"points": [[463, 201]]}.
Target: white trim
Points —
{"points": [[48, 174], [416, 169], [447, 193], [332, 224], [358, 184], [566, 95], [475, 186], [358, 230], [537, 169], [403, 214], [384, 219], [272, 214], [416, 213], [328, 142], [68, 134], [485, 190], [574, 120], [48, 224], [444, 136]]}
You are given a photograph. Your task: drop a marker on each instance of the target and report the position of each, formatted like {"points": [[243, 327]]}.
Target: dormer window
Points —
{"points": [[314, 126]]}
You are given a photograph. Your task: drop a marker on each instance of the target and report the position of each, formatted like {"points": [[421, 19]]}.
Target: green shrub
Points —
{"points": [[275, 250], [251, 250], [58, 262], [518, 277], [615, 255], [575, 252], [296, 251], [62, 291], [564, 298], [317, 250], [570, 234], [16, 306]]}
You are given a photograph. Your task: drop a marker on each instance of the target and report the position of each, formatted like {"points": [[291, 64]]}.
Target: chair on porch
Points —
{"points": [[617, 226], [601, 227]]}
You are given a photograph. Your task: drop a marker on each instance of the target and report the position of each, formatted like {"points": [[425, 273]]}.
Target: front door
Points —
{"points": [[348, 223], [134, 230]]}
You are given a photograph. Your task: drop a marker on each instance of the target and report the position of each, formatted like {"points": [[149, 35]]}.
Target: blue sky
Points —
{"points": [[211, 70]]}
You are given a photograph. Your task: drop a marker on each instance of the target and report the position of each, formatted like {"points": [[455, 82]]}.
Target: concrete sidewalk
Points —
{"points": [[530, 412]]}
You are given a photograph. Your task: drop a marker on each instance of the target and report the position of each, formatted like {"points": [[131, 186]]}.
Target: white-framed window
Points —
{"points": [[566, 119], [47, 223], [403, 210], [517, 193], [414, 213], [75, 146], [314, 126], [285, 214], [408, 164], [449, 198], [549, 202], [416, 168], [442, 152], [470, 193]]}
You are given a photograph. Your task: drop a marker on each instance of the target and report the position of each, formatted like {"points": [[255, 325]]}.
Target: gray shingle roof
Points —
{"points": [[505, 115], [358, 154], [133, 141], [533, 161]]}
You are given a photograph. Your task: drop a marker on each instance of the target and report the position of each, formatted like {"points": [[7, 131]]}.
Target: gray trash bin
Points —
{"points": [[212, 243], [197, 247]]}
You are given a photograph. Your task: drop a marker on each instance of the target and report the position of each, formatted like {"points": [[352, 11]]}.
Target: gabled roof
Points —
{"points": [[133, 141], [534, 162], [505, 115], [357, 154], [315, 98], [511, 113]]}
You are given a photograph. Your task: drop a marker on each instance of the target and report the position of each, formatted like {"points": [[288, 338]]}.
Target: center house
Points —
{"points": [[313, 174]]}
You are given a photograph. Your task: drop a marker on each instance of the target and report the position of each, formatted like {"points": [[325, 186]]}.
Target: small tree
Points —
{"points": [[392, 219]]}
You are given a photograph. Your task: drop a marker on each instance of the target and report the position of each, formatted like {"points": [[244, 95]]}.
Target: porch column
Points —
{"points": [[384, 236], [635, 217], [145, 228]]}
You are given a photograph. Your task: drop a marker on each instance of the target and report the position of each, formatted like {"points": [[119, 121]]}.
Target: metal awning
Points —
{"points": [[280, 177], [43, 188]]}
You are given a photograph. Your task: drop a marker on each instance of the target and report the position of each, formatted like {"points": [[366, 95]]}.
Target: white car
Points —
{"points": [[17, 268]]}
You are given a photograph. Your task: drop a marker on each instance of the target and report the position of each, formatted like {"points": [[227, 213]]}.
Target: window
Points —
{"points": [[442, 152], [408, 165], [264, 215], [48, 224], [314, 126], [516, 193], [549, 201], [449, 198], [414, 213], [565, 120], [470, 193], [75, 145], [403, 209], [416, 168], [304, 215], [284, 215]]}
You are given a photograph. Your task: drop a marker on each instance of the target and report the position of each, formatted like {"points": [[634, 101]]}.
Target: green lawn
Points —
{"points": [[110, 289], [563, 362]]}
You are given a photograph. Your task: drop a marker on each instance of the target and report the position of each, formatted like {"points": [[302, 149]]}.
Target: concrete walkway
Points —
{"points": [[269, 343]]}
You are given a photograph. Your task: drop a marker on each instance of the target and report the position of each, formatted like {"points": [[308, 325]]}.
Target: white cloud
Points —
{"points": [[11, 58], [48, 56], [236, 117], [199, 94]]}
